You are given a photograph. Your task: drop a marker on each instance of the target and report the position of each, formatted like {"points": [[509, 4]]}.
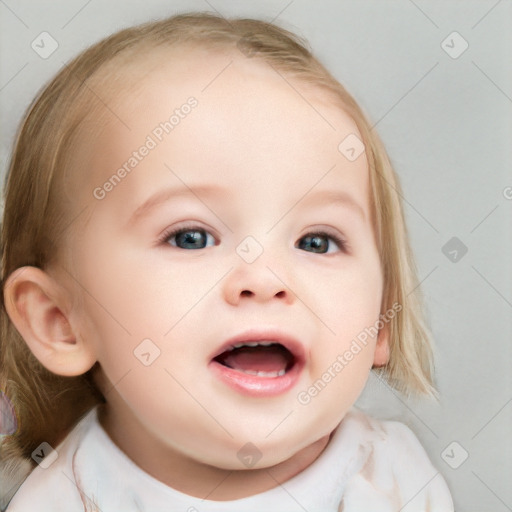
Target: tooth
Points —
{"points": [[261, 373], [252, 344], [269, 374]]}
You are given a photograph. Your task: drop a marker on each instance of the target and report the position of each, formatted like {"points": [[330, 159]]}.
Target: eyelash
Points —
{"points": [[169, 233]]}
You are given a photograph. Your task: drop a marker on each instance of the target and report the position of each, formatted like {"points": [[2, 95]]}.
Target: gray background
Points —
{"points": [[446, 123]]}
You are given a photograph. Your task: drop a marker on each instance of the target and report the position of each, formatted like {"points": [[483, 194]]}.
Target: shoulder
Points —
{"points": [[52, 485], [14, 469], [397, 473]]}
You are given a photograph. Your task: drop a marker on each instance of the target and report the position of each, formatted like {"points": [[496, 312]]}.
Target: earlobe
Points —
{"points": [[38, 306], [381, 356]]}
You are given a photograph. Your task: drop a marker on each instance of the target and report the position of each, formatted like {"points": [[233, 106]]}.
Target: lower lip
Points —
{"points": [[253, 385]]}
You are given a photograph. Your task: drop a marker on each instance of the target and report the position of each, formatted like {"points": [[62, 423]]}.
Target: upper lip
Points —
{"points": [[253, 335]]}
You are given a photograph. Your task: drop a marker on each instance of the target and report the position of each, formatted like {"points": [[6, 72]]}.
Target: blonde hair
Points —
{"points": [[34, 222]]}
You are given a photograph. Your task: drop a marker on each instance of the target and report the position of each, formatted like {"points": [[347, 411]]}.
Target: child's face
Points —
{"points": [[266, 158]]}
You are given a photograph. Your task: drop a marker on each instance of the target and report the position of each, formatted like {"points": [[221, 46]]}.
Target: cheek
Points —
{"points": [[349, 300], [133, 305], [142, 296], [349, 310]]}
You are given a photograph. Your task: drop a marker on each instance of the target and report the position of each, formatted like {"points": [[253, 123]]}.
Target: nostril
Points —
{"points": [[248, 293]]}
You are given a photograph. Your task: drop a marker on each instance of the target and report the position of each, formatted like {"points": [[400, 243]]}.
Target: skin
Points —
{"points": [[174, 418]]}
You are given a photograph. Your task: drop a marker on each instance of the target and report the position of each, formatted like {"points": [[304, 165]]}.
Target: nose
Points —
{"points": [[258, 282]]}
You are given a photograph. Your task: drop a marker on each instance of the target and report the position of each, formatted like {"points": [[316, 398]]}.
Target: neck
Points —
{"points": [[200, 480]]}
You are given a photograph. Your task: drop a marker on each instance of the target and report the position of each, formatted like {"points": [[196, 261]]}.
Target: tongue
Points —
{"points": [[272, 358]]}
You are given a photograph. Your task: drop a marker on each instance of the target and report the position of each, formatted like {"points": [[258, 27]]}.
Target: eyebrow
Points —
{"points": [[325, 197], [169, 193], [334, 198]]}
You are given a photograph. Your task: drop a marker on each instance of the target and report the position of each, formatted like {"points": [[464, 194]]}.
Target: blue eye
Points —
{"points": [[194, 238], [319, 243], [188, 238]]}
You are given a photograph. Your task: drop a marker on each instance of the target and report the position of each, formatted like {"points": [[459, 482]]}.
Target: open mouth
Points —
{"points": [[258, 358], [259, 363]]}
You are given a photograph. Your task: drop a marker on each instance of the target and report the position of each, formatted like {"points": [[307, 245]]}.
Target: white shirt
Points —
{"points": [[368, 466]]}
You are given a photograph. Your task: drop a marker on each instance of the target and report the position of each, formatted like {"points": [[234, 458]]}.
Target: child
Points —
{"points": [[205, 255]]}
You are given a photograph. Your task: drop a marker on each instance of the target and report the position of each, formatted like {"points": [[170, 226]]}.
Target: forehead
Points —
{"points": [[221, 117]]}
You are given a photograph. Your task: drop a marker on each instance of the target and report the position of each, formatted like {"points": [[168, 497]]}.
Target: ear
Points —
{"points": [[381, 356], [39, 307]]}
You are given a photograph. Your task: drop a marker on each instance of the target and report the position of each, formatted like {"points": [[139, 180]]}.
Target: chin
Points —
{"points": [[262, 452]]}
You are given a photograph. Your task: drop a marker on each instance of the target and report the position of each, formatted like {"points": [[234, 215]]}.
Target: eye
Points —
{"points": [[319, 242], [192, 237]]}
